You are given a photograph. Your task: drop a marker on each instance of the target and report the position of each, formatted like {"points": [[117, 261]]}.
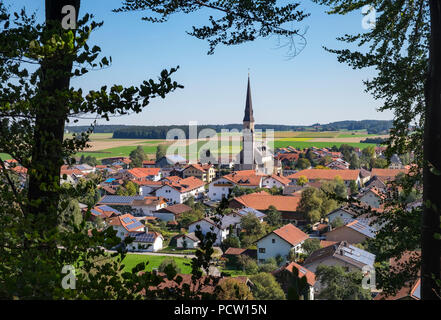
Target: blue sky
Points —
{"points": [[312, 87]]}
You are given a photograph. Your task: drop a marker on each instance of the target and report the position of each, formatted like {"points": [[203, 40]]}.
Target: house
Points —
{"points": [[145, 241], [171, 161], [280, 242], [148, 205], [344, 212], [282, 276], [387, 174], [208, 225], [354, 231], [204, 172], [140, 174], [395, 162], [220, 188], [188, 240], [376, 182], [125, 224], [411, 290], [123, 162], [147, 187], [372, 197], [365, 175], [244, 211], [321, 174], [179, 190], [275, 180], [149, 164], [103, 212], [261, 201], [236, 252], [340, 254], [172, 213]]}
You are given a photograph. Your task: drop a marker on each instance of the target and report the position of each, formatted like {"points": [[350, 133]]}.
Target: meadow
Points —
{"points": [[103, 146]]}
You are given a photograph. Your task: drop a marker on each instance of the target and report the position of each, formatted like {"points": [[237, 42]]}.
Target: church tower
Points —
{"points": [[247, 160]]}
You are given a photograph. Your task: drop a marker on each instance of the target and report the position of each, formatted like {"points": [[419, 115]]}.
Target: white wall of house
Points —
{"points": [[190, 243], [146, 247], [206, 227], [164, 216], [172, 195], [371, 199], [146, 190], [271, 182], [339, 213], [216, 193], [148, 210], [272, 245]]}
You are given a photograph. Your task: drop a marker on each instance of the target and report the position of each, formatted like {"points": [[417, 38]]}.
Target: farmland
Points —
{"points": [[103, 146]]}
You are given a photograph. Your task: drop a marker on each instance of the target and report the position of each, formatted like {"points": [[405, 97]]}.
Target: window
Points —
{"points": [[261, 250], [273, 240]]}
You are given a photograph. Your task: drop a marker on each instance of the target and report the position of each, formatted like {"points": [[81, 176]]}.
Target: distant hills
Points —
{"points": [[160, 132]]}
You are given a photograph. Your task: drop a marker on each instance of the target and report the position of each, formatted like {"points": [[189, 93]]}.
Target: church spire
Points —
{"points": [[249, 104]]}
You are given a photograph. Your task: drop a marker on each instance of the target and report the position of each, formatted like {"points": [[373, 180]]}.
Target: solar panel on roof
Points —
{"points": [[95, 212], [134, 225]]}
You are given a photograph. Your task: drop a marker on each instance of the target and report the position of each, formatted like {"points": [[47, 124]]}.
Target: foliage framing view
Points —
{"points": [[37, 62]]}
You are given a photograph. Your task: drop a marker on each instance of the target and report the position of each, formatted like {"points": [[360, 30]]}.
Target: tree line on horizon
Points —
{"points": [[160, 132]]}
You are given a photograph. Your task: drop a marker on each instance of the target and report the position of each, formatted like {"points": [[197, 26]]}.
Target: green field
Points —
{"points": [[307, 144], [131, 260]]}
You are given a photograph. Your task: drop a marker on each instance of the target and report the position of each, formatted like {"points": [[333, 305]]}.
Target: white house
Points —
{"points": [[152, 174], [125, 224], [190, 240], [172, 213], [220, 188], [343, 213], [208, 225], [179, 190], [145, 241], [148, 205], [280, 242], [275, 180], [372, 197]]}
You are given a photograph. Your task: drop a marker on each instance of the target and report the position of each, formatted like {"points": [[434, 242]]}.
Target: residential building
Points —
{"points": [[353, 231], [221, 229], [261, 201], [221, 188], [275, 180], [280, 242], [314, 175], [204, 172], [148, 241], [284, 279], [141, 174], [125, 224], [179, 190], [172, 213], [188, 240]]}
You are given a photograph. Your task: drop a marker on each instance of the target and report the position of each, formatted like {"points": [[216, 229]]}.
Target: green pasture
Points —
{"points": [[309, 144]]}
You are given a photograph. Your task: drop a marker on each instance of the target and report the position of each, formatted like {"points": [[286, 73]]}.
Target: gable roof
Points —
{"points": [[317, 174], [185, 185], [290, 234], [176, 209], [303, 272], [262, 200], [388, 174], [144, 172], [244, 178], [199, 167], [283, 180], [127, 221], [344, 252]]}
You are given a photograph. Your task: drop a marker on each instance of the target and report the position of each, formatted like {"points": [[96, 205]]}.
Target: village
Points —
{"points": [[291, 212]]}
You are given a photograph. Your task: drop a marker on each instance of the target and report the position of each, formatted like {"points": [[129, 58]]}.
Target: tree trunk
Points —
{"points": [[47, 159], [431, 247]]}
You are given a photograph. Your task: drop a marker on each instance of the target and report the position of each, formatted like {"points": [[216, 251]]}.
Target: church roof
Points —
{"points": [[248, 105]]}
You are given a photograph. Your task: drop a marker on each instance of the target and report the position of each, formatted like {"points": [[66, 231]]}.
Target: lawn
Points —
{"points": [[131, 260], [5, 156], [307, 144]]}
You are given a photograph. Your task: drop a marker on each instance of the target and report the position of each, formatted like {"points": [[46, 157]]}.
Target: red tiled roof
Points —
{"points": [[388, 174], [235, 251], [303, 272], [144, 172], [291, 234], [186, 185], [281, 179], [317, 174], [119, 221], [262, 200], [326, 243]]}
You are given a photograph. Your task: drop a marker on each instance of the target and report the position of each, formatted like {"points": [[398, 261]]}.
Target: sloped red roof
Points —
{"points": [[291, 234], [326, 174]]}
